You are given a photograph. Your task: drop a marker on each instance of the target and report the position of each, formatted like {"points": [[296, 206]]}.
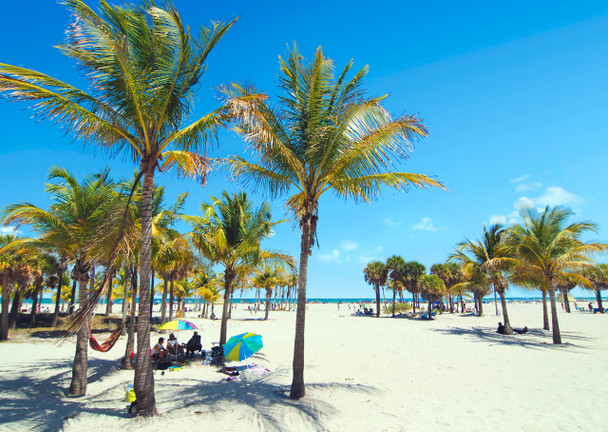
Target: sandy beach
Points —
{"points": [[363, 374]]}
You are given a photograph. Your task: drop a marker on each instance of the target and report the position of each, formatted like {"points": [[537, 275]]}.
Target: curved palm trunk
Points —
{"points": [[598, 297], [268, 294], [109, 297], [15, 307], [163, 302], [377, 300], [72, 298], [557, 338], [171, 300], [229, 276], [566, 301], [144, 379], [6, 292], [57, 300], [126, 360], [297, 384], [545, 313], [78, 386], [503, 304]]}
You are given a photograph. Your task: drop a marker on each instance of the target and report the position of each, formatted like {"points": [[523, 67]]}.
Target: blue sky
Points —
{"points": [[514, 96]]}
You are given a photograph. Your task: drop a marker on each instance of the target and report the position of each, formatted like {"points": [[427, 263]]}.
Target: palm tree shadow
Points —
{"points": [[263, 400], [41, 404], [533, 339]]}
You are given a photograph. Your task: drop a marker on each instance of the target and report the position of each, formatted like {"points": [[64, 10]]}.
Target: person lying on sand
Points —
{"points": [[501, 329]]}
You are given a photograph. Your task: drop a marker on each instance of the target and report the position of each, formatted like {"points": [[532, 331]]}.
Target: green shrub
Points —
{"points": [[399, 308]]}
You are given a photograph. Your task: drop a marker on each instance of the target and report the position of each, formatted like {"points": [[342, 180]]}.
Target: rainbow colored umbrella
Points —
{"points": [[178, 324], [242, 346]]}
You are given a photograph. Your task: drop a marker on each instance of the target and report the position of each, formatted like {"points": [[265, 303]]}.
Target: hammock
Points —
{"points": [[108, 343]]}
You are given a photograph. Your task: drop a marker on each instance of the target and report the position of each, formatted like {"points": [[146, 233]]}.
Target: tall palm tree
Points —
{"points": [[71, 226], [598, 275], [433, 288], [376, 273], [450, 274], [7, 265], [486, 256], [144, 65], [396, 267], [268, 279], [325, 134], [412, 273], [230, 234], [548, 252]]}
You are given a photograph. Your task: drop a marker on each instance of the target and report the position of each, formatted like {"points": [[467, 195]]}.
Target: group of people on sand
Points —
{"points": [[179, 350], [366, 312]]}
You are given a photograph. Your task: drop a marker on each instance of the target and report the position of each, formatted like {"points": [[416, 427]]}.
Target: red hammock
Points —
{"points": [[108, 343]]}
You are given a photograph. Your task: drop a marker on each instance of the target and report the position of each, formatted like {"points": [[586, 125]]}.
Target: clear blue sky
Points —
{"points": [[514, 95]]}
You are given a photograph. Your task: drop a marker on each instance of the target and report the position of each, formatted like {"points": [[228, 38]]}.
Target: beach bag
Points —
{"points": [[163, 365]]}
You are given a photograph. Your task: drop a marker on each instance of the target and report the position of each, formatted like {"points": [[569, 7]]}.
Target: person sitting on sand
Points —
{"points": [[174, 347], [501, 329], [194, 344], [158, 351]]}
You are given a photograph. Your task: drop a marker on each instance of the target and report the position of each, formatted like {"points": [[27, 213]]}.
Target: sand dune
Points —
{"points": [[453, 373]]}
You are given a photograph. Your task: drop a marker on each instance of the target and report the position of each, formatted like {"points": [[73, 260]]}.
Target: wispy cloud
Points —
{"points": [[334, 257], [9, 230], [520, 178], [349, 245], [498, 219], [557, 195], [366, 259], [390, 222], [528, 187], [426, 224]]}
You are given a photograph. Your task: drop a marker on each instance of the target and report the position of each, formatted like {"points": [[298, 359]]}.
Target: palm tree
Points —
{"points": [[547, 252], [230, 234], [396, 267], [7, 265], [486, 256], [268, 279], [376, 273], [325, 134], [598, 275], [144, 65], [412, 273], [433, 289], [71, 226], [450, 274]]}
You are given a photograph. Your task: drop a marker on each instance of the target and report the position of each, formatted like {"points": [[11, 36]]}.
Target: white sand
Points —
{"points": [[362, 374]]}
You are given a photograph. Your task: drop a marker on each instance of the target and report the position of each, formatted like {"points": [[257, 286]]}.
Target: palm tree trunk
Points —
{"points": [[78, 386], [125, 300], [414, 302], [6, 292], [126, 360], [545, 313], [557, 338], [297, 384], [495, 302], [163, 302], [144, 378], [268, 294], [57, 300], [377, 300], [171, 299], [503, 304], [430, 315], [598, 297], [34, 304], [109, 297], [566, 302], [394, 301], [229, 276], [151, 292], [15, 307], [72, 298]]}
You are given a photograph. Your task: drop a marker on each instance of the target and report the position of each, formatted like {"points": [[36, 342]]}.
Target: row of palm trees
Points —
{"points": [[544, 252], [324, 134]]}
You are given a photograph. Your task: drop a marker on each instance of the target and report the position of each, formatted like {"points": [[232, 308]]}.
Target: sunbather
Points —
{"points": [[174, 347], [158, 351]]}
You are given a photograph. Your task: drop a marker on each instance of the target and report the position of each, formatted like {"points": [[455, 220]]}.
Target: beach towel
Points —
{"points": [[108, 343]]}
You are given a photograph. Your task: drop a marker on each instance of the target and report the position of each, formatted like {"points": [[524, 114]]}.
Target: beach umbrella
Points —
{"points": [[178, 324], [241, 346]]}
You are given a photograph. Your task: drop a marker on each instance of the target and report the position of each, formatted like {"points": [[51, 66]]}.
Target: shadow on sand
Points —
{"points": [[535, 338], [41, 404]]}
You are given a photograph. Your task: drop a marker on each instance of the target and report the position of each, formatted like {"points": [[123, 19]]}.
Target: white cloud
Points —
{"points": [[390, 222], [513, 221], [520, 179], [366, 259], [349, 245], [524, 203], [378, 249], [426, 224], [498, 219], [334, 256], [556, 195], [528, 187], [9, 230]]}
